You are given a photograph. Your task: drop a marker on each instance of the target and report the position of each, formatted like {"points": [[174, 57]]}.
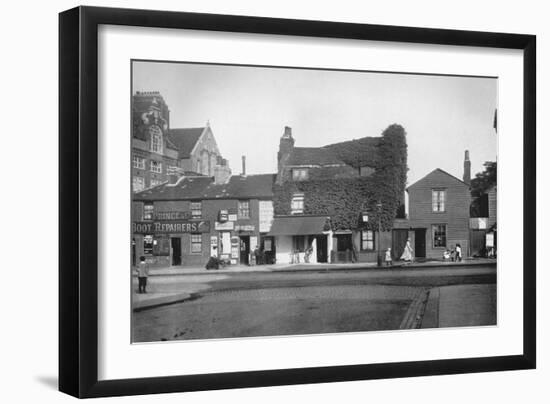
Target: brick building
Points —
{"points": [[159, 151], [196, 217], [439, 213], [324, 197]]}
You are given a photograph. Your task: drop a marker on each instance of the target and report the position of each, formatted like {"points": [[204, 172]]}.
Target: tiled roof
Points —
{"points": [[238, 187], [185, 139], [312, 156]]}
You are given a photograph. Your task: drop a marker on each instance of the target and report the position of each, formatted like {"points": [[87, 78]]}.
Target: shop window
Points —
{"points": [[297, 204], [244, 210], [367, 240], [148, 210], [156, 166], [300, 174], [148, 244], [439, 235], [138, 162], [196, 243], [298, 243], [438, 200], [156, 139], [138, 184], [196, 209]]}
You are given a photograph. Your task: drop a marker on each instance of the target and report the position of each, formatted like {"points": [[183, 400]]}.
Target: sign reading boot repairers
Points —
{"points": [[171, 227]]}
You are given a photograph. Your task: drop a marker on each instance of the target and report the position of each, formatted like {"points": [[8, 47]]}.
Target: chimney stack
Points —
{"points": [[244, 165], [467, 167], [286, 144]]}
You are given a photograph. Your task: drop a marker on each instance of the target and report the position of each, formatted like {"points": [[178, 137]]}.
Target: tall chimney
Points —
{"points": [[244, 165], [467, 167], [286, 144]]}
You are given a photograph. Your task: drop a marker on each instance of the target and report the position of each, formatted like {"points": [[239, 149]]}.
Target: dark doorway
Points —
{"points": [[176, 250], [477, 243], [420, 243], [321, 248], [244, 249], [399, 240], [344, 252], [268, 250]]}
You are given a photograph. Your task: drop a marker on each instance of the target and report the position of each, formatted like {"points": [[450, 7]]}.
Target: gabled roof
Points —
{"points": [[185, 139], [193, 188], [436, 171], [301, 156]]}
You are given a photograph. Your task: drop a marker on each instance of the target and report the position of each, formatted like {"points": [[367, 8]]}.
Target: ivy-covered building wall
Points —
{"points": [[344, 181], [344, 199]]}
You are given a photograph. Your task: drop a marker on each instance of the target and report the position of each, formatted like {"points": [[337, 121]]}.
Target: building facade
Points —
{"points": [[159, 151], [338, 203], [186, 222], [439, 214]]}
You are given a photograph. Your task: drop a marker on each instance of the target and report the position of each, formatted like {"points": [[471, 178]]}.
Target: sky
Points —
{"points": [[248, 108]]}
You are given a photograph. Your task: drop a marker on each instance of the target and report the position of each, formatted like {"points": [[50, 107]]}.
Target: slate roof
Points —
{"points": [[184, 139], [193, 188]]}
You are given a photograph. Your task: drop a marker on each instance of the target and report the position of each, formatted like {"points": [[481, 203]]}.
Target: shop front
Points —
{"points": [[162, 242], [301, 239]]}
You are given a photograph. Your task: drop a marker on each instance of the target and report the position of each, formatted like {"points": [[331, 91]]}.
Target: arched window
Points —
{"points": [[156, 139]]}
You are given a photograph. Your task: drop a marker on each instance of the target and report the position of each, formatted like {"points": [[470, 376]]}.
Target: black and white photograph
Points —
{"points": [[276, 201]]}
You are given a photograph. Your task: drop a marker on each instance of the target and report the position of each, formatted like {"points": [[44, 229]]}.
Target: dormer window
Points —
{"points": [[156, 139], [300, 174]]}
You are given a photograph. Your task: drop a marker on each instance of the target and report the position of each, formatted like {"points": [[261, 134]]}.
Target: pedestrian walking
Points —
{"points": [[388, 259], [143, 273], [458, 253], [408, 253]]}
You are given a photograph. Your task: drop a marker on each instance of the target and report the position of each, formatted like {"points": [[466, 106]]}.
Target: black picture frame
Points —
{"points": [[78, 201]]}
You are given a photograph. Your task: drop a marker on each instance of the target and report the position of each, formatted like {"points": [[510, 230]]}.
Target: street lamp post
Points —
{"points": [[379, 257]]}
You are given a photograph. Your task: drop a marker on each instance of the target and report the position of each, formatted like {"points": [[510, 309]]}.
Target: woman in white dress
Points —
{"points": [[408, 253]]}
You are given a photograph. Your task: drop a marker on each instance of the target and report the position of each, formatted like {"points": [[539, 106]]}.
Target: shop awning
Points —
{"points": [[297, 225]]}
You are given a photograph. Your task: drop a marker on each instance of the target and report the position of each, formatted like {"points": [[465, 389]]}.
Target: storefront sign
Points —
{"points": [[266, 216], [224, 226], [232, 217], [176, 215], [213, 246], [245, 227], [170, 227], [223, 216]]}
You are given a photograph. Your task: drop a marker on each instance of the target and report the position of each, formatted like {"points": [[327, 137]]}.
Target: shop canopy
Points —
{"points": [[297, 225]]}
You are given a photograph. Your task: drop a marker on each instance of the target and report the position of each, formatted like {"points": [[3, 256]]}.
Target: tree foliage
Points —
{"points": [[479, 185]]}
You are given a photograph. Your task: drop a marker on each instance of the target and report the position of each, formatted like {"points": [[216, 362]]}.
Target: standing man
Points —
{"points": [[143, 273]]}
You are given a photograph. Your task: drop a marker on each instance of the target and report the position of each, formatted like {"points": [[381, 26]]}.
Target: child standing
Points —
{"points": [[143, 273], [388, 260]]}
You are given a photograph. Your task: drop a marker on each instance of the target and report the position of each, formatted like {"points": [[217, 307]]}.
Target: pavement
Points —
{"points": [[178, 284], [180, 270]]}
